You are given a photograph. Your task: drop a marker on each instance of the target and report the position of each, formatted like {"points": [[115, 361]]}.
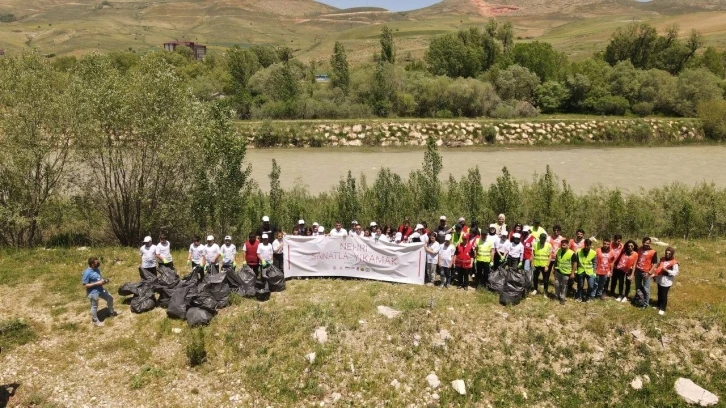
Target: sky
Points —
{"points": [[392, 5]]}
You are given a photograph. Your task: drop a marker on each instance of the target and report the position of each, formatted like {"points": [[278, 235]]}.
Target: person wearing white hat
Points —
{"points": [[441, 230], [266, 228], [399, 238], [316, 228], [163, 252], [211, 255], [421, 232], [516, 251], [265, 251], [353, 226], [229, 254], [415, 237], [321, 230], [338, 231], [372, 227], [148, 256], [501, 249], [492, 235], [446, 257], [299, 229]]}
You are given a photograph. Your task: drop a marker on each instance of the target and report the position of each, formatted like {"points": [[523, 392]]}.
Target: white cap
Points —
{"points": [[373, 224], [227, 238], [354, 222], [516, 235], [447, 237], [210, 238], [147, 239], [504, 233], [265, 236], [415, 235], [461, 219], [442, 218], [418, 227], [315, 224], [321, 229], [301, 222], [493, 226], [399, 236], [265, 219], [526, 228]]}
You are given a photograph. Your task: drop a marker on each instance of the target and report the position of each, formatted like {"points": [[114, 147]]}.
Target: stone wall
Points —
{"points": [[469, 133]]}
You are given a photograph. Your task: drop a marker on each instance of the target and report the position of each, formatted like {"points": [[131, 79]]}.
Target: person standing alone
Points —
{"points": [[93, 282]]}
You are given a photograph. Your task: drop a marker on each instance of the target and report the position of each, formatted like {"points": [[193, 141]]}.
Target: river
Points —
{"points": [[627, 168]]}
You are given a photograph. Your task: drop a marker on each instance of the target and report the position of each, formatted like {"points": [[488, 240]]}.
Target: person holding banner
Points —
{"points": [[432, 258], [338, 231], [446, 256], [278, 251]]}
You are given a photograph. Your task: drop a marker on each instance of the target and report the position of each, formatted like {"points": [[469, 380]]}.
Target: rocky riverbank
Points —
{"points": [[470, 133]]}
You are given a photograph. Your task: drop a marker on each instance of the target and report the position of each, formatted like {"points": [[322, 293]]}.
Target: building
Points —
{"points": [[199, 51]]}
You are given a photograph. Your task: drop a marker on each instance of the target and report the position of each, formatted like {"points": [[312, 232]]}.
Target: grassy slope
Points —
{"points": [[537, 353]]}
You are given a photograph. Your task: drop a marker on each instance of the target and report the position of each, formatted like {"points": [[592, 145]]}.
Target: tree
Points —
{"points": [[241, 64], [540, 58], [516, 82], [339, 72], [276, 193], [505, 35], [432, 166], [38, 122], [448, 55], [382, 91], [471, 97], [635, 42], [713, 117], [696, 86], [714, 61], [551, 96], [388, 49], [266, 55], [347, 198]]}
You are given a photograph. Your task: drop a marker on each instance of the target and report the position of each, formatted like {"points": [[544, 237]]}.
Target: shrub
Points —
{"points": [[15, 332], [196, 348], [611, 105], [713, 117], [503, 111], [643, 108], [525, 109], [266, 136], [489, 134]]}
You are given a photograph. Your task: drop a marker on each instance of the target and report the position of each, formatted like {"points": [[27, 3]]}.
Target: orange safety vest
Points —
{"points": [[574, 246], [616, 251], [626, 262], [663, 265], [555, 242], [604, 262], [645, 260]]}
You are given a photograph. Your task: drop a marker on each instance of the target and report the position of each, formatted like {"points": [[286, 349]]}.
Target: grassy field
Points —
{"points": [[538, 353]]}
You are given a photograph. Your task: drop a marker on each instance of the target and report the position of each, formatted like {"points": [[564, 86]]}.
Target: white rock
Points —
{"points": [[362, 322], [694, 394], [444, 334], [435, 396], [321, 335], [388, 312], [83, 248], [433, 380], [638, 335], [336, 396], [637, 383], [310, 357], [176, 330], [357, 128], [459, 386], [395, 384]]}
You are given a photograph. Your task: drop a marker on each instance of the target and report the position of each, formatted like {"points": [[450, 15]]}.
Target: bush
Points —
{"points": [[471, 97], [489, 134], [525, 109], [196, 348], [643, 108], [267, 136], [504, 110], [611, 105], [15, 332], [713, 117]]}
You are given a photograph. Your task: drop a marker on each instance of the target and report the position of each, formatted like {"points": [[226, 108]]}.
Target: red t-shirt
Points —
{"points": [[463, 256], [405, 231], [251, 253], [528, 250]]}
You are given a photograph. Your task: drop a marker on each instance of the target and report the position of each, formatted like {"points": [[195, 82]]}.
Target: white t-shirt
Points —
{"points": [[197, 252], [148, 256], [228, 253], [278, 246], [164, 251], [492, 238], [502, 247], [335, 233], [446, 254], [433, 258], [265, 251], [516, 250], [211, 252]]}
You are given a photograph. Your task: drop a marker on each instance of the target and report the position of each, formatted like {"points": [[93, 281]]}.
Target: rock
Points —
{"points": [[362, 322], [356, 142], [357, 128], [83, 248], [637, 383], [694, 394], [310, 357], [646, 379], [388, 312], [638, 335], [176, 330], [444, 334], [433, 380], [321, 335], [336, 396], [459, 386], [435, 396], [439, 143], [395, 384]]}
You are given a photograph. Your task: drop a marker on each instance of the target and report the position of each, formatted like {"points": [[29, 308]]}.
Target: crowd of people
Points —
{"points": [[463, 255]]}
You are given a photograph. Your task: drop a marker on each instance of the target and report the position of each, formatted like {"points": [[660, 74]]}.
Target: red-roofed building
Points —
{"points": [[199, 51]]}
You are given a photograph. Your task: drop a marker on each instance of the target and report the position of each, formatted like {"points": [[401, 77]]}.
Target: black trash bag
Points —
{"points": [[167, 276], [513, 290], [639, 299], [262, 292], [212, 269], [249, 282], [129, 288], [165, 294], [194, 274], [146, 275], [179, 303], [497, 279], [275, 279], [199, 317], [213, 293], [141, 304], [234, 279]]}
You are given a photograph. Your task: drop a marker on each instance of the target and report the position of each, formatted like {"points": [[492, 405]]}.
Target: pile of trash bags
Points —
{"points": [[511, 283], [195, 300]]}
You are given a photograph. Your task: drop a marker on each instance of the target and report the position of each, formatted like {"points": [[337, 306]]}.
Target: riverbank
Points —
{"points": [[530, 354], [463, 133]]}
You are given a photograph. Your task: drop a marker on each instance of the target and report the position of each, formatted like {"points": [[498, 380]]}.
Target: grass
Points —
{"points": [[535, 354]]}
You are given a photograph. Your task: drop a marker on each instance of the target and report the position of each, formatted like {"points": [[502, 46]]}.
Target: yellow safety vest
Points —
{"points": [[542, 254], [484, 250], [584, 262], [564, 261]]}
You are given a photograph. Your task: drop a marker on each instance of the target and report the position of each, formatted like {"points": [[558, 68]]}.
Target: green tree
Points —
{"points": [[241, 64], [432, 166], [504, 195], [713, 116], [551, 96], [388, 48], [448, 55], [348, 201], [635, 42], [276, 193], [339, 72], [696, 86], [266, 55], [516, 82], [540, 58], [714, 61], [382, 91]]}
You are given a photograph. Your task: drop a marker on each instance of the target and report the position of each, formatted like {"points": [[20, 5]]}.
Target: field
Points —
{"points": [[75, 28], [536, 354]]}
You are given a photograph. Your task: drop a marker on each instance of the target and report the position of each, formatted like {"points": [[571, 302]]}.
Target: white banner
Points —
{"points": [[354, 257]]}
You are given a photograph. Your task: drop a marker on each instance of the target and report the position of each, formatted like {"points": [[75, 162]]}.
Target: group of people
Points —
{"points": [[456, 253]]}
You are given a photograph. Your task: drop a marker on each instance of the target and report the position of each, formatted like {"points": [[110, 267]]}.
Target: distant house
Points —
{"points": [[199, 51]]}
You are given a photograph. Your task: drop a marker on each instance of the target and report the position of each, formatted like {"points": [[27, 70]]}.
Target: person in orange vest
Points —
{"points": [[666, 270], [576, 245], [647, 260], [555, 239], [616, 247], [464, 260], [623, 269], [604, 269]]}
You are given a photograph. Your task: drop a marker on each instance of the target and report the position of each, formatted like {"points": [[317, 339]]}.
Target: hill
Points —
{"points": [[75, 27]]}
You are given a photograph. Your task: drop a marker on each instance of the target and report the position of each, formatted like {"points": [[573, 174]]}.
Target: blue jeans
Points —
{"points": [[445, 276], [93, 297], [601, 285], [642, 282], [581, 278]]}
